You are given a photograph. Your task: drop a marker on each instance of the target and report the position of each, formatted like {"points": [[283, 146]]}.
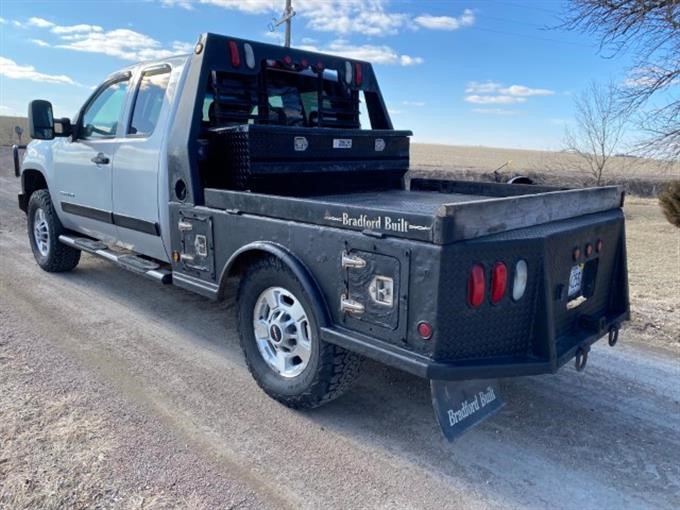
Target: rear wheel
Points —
{"points": [[280, 339], [44, 229]]}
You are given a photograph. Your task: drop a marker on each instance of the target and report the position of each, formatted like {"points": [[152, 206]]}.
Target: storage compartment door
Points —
{"points": [[375, 286]]}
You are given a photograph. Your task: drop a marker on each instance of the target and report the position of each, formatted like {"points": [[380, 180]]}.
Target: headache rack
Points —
{"points": [[308, 99]]}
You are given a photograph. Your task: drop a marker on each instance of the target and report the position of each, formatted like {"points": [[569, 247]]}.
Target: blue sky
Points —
{"points": [[456, 72]]}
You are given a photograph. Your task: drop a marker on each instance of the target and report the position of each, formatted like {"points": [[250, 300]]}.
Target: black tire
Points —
{"points": [[330, 369], [58, 257]]}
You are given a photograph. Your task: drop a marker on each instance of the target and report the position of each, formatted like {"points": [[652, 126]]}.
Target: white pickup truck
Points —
{"points": [[247, 160]]}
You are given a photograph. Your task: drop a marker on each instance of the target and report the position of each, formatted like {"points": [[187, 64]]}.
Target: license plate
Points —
{"points": [[575, 279], [342, 143]]}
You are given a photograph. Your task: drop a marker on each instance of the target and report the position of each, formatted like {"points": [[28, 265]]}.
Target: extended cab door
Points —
{"points": [[137, 183], [83, 167]]}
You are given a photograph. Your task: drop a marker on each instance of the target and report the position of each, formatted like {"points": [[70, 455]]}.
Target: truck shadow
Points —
{"points": [[588, 423]]}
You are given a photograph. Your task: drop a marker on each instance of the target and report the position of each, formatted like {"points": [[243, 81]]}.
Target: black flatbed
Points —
{"points": [[429, 210]]}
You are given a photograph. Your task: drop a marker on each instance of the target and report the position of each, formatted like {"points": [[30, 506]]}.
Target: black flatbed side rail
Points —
{"points": [[486, 216]]}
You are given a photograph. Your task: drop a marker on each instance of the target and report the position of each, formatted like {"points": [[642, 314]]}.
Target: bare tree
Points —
{"points": [[599, 126], [649, 30]]}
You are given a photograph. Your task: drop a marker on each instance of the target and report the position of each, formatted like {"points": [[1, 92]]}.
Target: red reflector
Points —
{"points": [[425, 330], [476, 286], [499, 282], [358, 73], [288, 60], [599, 245], [304, 63], [577, 253], [235, 57], [589, 250]]}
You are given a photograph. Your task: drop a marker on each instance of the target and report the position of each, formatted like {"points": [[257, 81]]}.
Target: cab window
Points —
{"points": [[100, 118], [149, 101]]}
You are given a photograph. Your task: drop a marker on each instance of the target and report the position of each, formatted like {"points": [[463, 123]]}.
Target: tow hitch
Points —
{"points": [[461, 405]]}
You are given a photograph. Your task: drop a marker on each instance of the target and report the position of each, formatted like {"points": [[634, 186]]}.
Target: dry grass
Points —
{"points": [[55, 451], [653, 273], [487, 159]]}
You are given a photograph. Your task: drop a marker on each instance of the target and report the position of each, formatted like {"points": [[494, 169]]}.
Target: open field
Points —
{"points": [[643, 177], [118, 392]]}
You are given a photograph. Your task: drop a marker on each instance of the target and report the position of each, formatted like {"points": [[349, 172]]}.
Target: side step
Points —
{"points": [[133, 263]]}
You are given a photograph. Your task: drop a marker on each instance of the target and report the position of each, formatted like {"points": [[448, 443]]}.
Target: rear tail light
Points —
{"points": [[320, 67], [577, 253], [589, 250], [250, 55], [288, 60], [359, 73], [348, 73], [425, 330], [519, 284], [599, 245], [233, 52], [476, 286], [499, 282]]}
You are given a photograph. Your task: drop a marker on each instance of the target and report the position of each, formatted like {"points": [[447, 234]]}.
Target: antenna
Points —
{"points": [[286, 18]]}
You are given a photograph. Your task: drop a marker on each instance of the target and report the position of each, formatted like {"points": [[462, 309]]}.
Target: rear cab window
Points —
{"points": [[149, 99]]}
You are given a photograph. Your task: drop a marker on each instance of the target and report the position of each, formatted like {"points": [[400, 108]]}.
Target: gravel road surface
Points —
{"points": [[165, 367]]}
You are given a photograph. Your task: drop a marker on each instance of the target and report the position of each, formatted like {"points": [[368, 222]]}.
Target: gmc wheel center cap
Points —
{"points": [[275, 333]]}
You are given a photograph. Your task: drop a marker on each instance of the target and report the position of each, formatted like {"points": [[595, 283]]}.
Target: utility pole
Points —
{"points": [[286, 18]]}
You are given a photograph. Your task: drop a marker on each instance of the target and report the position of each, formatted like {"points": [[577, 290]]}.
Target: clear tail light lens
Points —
{"points": [[499, 282], [476, 286], [519, 284]]}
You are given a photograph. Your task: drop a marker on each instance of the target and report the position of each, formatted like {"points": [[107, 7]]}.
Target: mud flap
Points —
{"points": [[460, 405]]}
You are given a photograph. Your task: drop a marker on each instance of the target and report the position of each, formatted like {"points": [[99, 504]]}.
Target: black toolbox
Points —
{"points": [[266, 158]]}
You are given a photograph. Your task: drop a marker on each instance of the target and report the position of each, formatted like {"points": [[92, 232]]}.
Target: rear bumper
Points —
{"points": [[490, 368]]}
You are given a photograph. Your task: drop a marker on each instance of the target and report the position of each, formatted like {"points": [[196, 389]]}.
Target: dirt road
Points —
{"points": [[163, 368]]}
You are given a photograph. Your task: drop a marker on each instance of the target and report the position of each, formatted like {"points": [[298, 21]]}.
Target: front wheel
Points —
{"points": [[44, 229], [280, 339]]}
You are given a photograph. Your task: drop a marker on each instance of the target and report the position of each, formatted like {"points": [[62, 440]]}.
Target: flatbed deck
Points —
{"points": [[439, 212]]}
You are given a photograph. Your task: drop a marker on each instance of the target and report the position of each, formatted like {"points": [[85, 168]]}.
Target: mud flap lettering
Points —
{"points": [[461, 405]]}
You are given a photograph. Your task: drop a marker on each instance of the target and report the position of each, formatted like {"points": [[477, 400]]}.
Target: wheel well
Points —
{"points": [[248, 255], [32, 180]]}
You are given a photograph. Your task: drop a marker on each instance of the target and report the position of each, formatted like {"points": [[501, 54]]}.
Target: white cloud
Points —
{"points": [[477, 99], [184, 4], [3, 21], [413, 103], [123, 43], [494, 111], [374, 54], [491, 92], [73, 29], [446, 22], [11, 69], [367, 17], [487, 87], [522, 91], [39, 22]]}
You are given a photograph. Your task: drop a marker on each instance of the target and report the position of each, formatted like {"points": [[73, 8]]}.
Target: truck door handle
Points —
{"points": [[101, 159]]}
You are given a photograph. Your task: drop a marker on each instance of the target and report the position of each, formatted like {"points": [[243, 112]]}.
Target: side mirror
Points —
{"points": [[40, 120]]}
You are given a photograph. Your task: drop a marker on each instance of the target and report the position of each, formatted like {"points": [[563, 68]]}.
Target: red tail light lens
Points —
{"points": [[358, 74], [599, 245], [425, 330], [589, 250], [233, 52], [499, 282], [476, 286]]}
